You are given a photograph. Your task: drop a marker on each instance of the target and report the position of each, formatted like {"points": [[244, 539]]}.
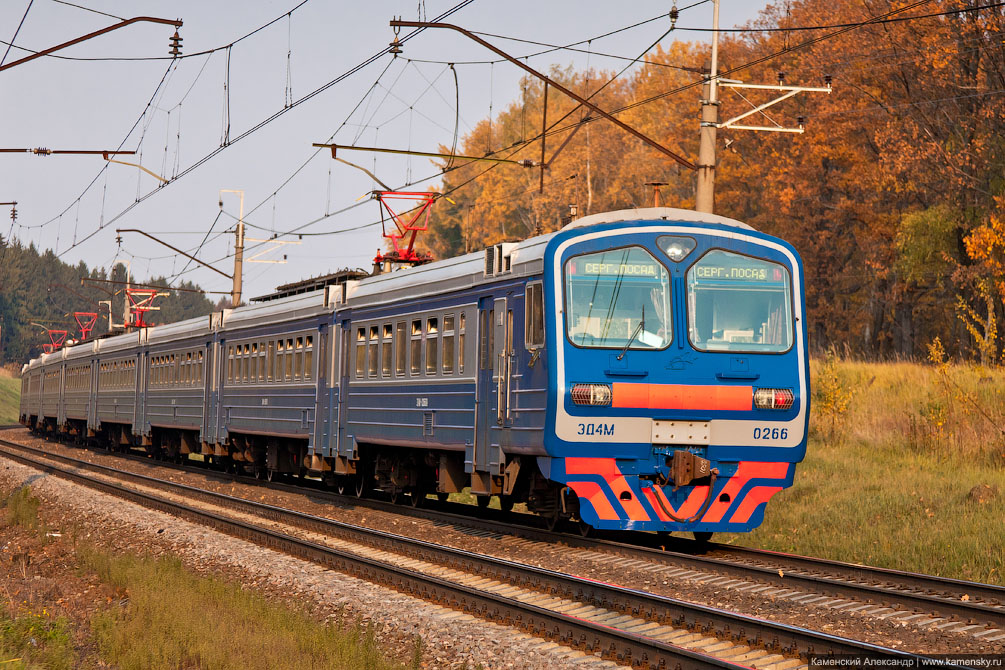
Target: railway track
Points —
{"points": [[924, 600], [630, 626]]}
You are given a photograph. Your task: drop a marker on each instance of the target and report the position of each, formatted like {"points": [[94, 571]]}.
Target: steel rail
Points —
{"points": [[623, 646], [775, 637], [938, 595]]}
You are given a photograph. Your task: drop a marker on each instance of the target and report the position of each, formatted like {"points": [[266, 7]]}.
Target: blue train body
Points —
{"points": [[643, 369]]}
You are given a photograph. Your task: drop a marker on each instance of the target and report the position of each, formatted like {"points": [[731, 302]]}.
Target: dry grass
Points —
{"points": [[172, 618], [900, 481], [10, 399]]}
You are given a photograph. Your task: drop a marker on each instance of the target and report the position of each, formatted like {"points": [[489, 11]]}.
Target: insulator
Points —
{"points": [[781, 78], [175, 45], [41, 151], [674, 13], [828, 79], [801, 120], [13, 213], [395, 46]]}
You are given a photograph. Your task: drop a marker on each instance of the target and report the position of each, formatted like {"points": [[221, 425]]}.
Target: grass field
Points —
{"points": [[151, 613], [10, 398], [912, 475]]}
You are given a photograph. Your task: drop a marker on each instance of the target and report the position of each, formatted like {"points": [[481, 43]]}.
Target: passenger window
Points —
{"points": [[448, 344], [460, 345], [432, 343], [270, 363], [360, 352], [534, 316], [308, 357], [253, 363], [298, 360], [372, 353], [289, 360], [416, 347], [386, 350], [399, 348]]}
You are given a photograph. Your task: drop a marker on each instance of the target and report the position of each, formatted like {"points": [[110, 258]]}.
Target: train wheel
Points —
{"points": [[361, 488], [442, 496], [551, 521], [702, 536], [506, 503], [396, 496], [417, 498], [483, 501], [341, 486], [271, 475], [584, 528]]}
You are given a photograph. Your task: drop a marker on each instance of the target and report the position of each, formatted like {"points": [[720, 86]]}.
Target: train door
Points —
{"points": [[61, 407], [321, 427], [208, 387], [92, 397], [343, 446], [485, 457], [214, 434], [139, 388]]}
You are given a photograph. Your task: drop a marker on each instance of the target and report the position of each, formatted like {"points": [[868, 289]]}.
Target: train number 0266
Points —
{"points": [[771, 433]]}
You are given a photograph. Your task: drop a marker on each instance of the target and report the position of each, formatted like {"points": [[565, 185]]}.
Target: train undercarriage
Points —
{"points": [[400, 474]]}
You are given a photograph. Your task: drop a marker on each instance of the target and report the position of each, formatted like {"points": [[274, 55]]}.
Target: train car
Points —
{"points": [[637, 370]]}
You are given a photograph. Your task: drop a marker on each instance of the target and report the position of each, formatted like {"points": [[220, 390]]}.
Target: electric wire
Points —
{"points": [[88, 9], [18, 30], [179, 57], [261, 124]]}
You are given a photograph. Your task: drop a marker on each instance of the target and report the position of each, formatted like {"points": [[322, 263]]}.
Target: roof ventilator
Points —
{"points": [[498, 259]]}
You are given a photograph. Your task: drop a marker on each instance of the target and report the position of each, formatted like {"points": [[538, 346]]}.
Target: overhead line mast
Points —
{"points": [[704, 199]]}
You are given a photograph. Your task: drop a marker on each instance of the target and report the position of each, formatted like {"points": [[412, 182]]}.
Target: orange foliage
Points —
{"points": [[915, 122]]}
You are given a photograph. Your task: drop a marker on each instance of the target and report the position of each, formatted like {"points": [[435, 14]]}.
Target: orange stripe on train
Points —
{"points": [[682, 396], [746, 471], [608, 469]]}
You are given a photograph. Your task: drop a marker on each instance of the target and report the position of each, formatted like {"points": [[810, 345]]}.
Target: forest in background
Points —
{"points": [[38, 287], [894, 196]]}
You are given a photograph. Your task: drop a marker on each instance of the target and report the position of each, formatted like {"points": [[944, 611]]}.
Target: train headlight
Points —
{"points": [[774, 398], [676, 247], [596, 395]]}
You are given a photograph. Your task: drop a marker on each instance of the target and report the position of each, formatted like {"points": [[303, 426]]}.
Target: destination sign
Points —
{"points": [[735, 273], [625, 269]]}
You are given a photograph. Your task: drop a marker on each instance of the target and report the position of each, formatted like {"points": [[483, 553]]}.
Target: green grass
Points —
{"points": [[890, 487], [10, 399], [34, 640], [172, 618], [20, 508]]}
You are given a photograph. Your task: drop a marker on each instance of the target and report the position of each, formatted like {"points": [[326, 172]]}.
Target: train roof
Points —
{"points": [[655, 214], [525, 258]]}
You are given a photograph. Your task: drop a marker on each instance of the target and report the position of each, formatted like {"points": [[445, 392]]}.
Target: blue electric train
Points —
{"points": [[643, 369]]}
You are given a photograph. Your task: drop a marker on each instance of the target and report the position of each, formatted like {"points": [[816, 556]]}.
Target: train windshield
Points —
{"points": [[616, 298], [739, 303]]}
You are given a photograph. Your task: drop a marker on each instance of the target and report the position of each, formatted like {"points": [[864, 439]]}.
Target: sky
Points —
{"points": [[193, 120]]}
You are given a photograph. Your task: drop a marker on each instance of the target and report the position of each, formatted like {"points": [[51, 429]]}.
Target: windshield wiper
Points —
{"points": [[638, 329]]}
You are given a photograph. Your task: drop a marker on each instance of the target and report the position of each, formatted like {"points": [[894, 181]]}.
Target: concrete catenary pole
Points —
{"points": [[704, 200], [235, 295]]}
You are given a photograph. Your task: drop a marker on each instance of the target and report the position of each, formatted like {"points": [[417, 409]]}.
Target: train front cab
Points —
{"points": [[680, 381]]}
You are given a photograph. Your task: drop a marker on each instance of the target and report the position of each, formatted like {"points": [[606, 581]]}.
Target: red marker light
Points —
{"points": [[774, 398]]}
